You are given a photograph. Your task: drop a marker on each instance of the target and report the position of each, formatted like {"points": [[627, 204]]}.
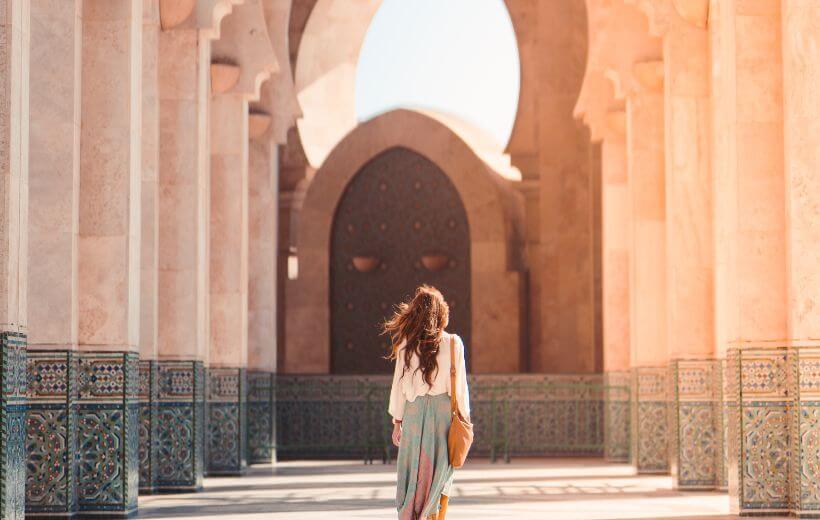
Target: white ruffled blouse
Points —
{"points": [[409, 384]]}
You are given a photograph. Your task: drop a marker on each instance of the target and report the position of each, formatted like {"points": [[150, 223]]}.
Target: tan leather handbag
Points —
{"points": [[460, 437]]}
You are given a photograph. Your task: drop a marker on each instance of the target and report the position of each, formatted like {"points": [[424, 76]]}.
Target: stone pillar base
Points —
{"points": [[148, 427], [774, 430], [617, 416], [180, 426], [227, 419], [261, 418], [51, 433], [650, 420], [12, 425], [108, 434], [697, 450]]}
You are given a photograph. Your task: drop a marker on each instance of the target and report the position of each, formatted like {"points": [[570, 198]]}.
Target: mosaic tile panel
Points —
{"points": [[516, 415], [808, 467], [148, 426], [108, 433], [763, 431], [227, 422], [617, 417], [12, 425], [180, 417], [695, 450], [51, 432], [650, 420], [765, 452], [774, 429], [806, 432], [261, 422]]}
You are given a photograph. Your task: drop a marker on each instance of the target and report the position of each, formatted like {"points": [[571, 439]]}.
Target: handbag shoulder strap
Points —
{"points": [[453, 400]]}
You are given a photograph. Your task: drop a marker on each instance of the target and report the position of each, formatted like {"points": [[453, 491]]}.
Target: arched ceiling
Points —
{"points": [[326, 54], [326, 72]]}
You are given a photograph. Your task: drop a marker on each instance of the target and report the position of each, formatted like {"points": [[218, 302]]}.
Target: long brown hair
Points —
{"points": [[420, 323]]}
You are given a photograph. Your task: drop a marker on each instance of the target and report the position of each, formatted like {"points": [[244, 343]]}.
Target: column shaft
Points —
{"points": [[801, 97], [14, 149], [263, 183], [54, 173], [695, 454], [750, 248], [183, 205], [647, 266], [226, 444], [562, 334], [149, 195], [616, 216], [109, 257], [801, 104]]}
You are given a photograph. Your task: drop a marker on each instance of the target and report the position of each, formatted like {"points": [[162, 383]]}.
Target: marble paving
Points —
{"points": [[555, 489]]}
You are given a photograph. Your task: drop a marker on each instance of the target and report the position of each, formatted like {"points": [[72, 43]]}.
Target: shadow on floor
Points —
{"points": [[281, 491]]}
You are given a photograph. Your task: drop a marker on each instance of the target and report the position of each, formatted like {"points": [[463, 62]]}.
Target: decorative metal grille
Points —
{"points": [[514, 415]]}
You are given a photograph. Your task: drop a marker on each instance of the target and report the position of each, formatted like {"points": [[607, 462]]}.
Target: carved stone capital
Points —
{"points": [[659, 13], [209, 14], [244, 40], [224, 77], [695, 12], [258, 124], [616, 122], [649, 74], [173, 12]]}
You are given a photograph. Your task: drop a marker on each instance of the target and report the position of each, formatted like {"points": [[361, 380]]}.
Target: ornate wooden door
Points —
{"points": [[400, 223]]}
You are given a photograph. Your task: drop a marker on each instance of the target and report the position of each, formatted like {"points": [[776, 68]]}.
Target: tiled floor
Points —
{"points": [[554, 489]]}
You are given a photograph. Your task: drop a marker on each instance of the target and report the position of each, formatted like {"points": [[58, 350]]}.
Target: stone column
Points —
{"points": [[695, 454], [243, 60], [750, 249], [801, 106], [293, 170], [184, 178], [263, 212], [226, 443], [54, 174], [14, 150], [149, 245], [109, 257], [616, 221], [647, 270], [552, 152]]}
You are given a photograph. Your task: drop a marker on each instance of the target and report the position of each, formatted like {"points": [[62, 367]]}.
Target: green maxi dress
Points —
{"points": [[424, 470]]}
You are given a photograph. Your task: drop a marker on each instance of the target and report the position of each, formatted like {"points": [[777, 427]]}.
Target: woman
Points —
{"points": [[420, 402]]}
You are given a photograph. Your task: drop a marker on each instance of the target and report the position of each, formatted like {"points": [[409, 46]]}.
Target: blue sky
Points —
{"points": [[454, 56]]}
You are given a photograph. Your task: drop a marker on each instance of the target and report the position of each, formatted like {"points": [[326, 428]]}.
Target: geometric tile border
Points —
{"points": [[108, 433], [774, 430], [650, 419], [12, 425], [148, 426], [227, 422], [51, 432], [180, 433], [697, 450], [261, 422], [617, 417]]}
